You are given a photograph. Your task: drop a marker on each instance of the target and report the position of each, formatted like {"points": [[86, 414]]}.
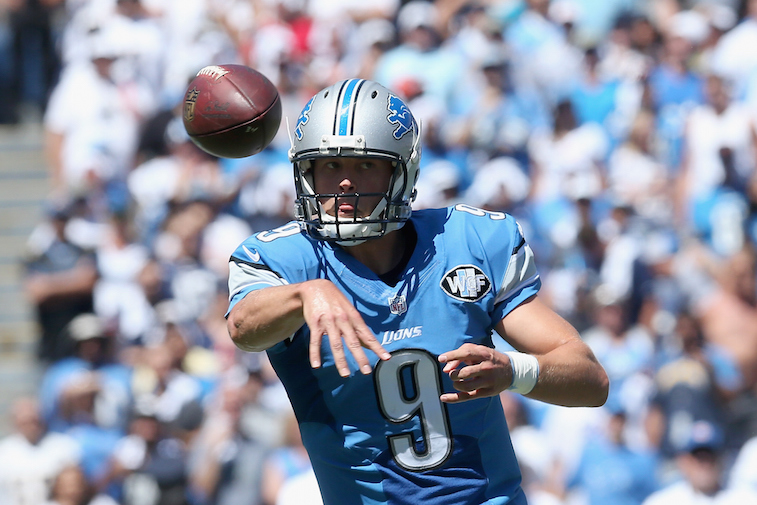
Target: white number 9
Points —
{"points": [[409, 385]]}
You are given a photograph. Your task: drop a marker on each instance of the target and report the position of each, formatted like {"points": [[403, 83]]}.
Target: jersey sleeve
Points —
{"points": [[260, 262], [521, 279], [510, 261]]}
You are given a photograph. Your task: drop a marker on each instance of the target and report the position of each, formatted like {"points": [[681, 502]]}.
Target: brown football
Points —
{"points": [[231, 111]]}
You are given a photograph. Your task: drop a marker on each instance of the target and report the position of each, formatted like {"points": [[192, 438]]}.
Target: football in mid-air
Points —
{"points": [[231, 111]]}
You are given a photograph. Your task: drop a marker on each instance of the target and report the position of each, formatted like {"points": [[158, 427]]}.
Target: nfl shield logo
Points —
{"points": [[397, 305], [189, 104]]}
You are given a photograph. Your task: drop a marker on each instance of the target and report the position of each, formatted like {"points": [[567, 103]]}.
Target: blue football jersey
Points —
{"points": [[386, 438]]}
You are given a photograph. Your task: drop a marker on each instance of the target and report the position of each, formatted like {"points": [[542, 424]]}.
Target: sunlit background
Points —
{"points": [[620, 133]]}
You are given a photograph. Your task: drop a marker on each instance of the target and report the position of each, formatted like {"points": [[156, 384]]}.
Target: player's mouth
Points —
{"points": [[347, 210], [346, 207]]}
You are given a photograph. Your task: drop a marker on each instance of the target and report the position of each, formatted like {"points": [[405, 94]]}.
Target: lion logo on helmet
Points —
{"points": [[303, 119], [399, 115]]}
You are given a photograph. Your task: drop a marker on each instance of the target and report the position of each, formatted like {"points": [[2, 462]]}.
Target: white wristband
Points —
{"points": [[525, 372]]}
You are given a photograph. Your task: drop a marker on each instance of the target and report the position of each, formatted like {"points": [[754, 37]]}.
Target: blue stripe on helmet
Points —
{"points": [[344, 107]]}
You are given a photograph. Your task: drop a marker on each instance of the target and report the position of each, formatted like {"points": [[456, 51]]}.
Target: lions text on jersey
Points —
{"points": [[386, 437]]}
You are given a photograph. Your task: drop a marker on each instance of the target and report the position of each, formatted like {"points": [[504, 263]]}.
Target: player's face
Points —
{"points": [[343, 176]]}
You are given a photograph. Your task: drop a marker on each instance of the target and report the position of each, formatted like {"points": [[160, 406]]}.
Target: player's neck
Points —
{"points": [[383, 254]]}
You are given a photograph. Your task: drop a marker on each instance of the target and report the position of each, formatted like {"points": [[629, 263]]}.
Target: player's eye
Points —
{"points": [[366, 165]]}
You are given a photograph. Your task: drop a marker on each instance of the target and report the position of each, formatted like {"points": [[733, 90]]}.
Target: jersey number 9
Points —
{"points": [[409, 385]]}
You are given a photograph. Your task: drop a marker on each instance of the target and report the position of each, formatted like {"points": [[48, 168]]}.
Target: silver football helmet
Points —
{"points": [[356, 118]]}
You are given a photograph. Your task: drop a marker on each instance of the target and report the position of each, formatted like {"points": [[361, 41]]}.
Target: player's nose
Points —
{"points": [[346, 184]]}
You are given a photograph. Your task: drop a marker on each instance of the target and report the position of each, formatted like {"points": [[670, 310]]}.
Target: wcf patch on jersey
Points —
{"points": [[466, 283]]}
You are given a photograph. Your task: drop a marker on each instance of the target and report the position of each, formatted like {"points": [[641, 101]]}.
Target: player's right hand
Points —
{"points": [[328, 312]]}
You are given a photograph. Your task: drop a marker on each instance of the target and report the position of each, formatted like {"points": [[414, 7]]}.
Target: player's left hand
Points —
{"points": [[476, 371]]}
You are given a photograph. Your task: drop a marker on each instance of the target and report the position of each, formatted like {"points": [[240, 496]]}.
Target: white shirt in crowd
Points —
{"points": [[27, 471], [682, 493]]}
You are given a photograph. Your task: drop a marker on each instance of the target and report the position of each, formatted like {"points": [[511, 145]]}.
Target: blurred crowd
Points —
{"points": [[620, 133]]}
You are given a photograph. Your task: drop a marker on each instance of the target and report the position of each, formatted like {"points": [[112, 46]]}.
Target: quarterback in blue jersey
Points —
{"points": [[380, 321]]}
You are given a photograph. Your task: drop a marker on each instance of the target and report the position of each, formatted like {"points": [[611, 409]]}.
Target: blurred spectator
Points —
{"points": [[59, 278], [374, 38], [263, 410], [149, 464], [735, 56], [700, 461], [8, 114], [78, 405], [620, 58], [498, 118], [280, 37], [35, 60], [724, 298], [196, 33], [543, 57], [71, 488], [500, 185], [160, 383], [610, 471], [439, 185], [301, 489], [143, 59], [93, 120], [567, 162], [744, 469], [225, 463], [183, 275], [285, 462], [93, 352], [594, 97], [173, 172], [118, 296], [535, 456], [31, 457], [674, 89], [636, 177], [268, 202], [694, 384], [566, 432], [623, 347], [420, 55], [719, 160], [624, 238], [721, 17], [188, 343]]}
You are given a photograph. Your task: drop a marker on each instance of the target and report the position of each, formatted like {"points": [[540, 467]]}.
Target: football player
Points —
{"points": [[380, 321]]}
